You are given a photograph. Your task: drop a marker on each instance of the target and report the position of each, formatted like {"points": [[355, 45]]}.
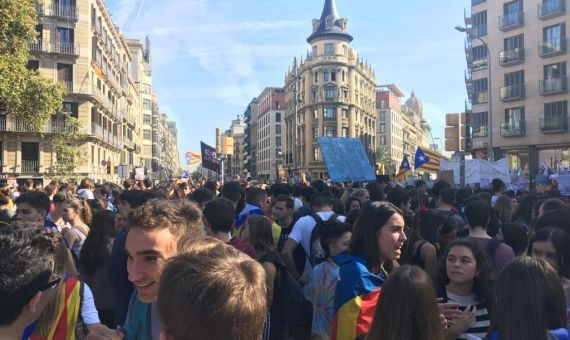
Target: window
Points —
{"points": [[71, 108], [147, 150], [147, 88], [146, 119], [316, 114], [553, 35], [64, 72], [514, 78], [480, 85], [329, 131], [345, 113], [315, 132], [479, 57], [382, 140], [278, 117], [316, 77], [345, 93], [146, 104], [333, 76], [277, 141], [326, 76], [315, 51], [556, 109], [479, 123], [477, 2], [33, 65], [514, 43], [343, 76], [330, 112], [511, 10], [382, 128], [316, 154], [330, 94], [479, 24], [382, 116], [329, 49], [146, 134], [344, 132], [514, 115], [278, 129], [278, 105]]}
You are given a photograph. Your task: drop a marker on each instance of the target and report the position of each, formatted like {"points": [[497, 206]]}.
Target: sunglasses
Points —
{"points": [[51, 284]]}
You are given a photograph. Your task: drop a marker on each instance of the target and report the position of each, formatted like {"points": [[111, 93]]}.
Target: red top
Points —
{"points": [[243, 246]]}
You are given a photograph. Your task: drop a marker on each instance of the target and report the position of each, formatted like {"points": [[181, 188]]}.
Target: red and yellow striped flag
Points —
{"points": [[434, 161]]}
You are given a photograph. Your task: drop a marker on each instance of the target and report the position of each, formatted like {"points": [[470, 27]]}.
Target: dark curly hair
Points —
{"points": [[482, 284]]}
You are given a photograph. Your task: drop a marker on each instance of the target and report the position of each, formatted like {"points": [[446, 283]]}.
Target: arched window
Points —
{"points": [[326, 75]]}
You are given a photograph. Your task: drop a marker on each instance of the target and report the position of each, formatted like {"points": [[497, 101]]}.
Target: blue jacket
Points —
{"points": [[249, 209]]}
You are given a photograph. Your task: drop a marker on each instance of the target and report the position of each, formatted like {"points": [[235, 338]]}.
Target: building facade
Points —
{"points": [[80, 47], [526, 98], [270, 133], [330, 94], [400, 129]]}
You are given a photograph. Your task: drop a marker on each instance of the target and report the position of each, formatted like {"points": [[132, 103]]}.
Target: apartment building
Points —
{"points": [[250, 139], [330, 94], [270, 133], [80, 47], [518, 86], [401, 128]]}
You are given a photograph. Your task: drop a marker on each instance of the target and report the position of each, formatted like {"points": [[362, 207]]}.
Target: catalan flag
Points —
{"points": [[404, 168], [356, 294], [433, 160], [193, 158]]}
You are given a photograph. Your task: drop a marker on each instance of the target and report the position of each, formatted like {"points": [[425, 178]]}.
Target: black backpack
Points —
{"points": [[316, 252]]}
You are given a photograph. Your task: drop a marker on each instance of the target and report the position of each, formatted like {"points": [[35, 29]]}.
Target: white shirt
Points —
{"points": [[302, 231], [88, 310], [298, 203]]}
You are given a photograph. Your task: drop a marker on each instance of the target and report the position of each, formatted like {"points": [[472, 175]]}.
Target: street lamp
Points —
{"points": [[489, 89]]}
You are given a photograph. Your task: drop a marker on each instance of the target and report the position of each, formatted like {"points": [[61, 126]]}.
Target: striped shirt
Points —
{"points": [[483, 320]]}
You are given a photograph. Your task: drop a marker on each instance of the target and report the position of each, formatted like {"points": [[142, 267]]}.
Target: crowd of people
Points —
{"points": [[202, 260]]}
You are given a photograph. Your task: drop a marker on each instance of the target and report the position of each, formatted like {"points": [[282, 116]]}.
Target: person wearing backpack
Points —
{"points": [[306, 233], [257, 231], [478, 213], [335, 239]]}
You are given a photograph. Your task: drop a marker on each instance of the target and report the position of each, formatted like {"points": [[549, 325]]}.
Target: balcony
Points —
{"points": [[552, 47], [36, 46], [479, 30], [57, 11], [553, 86], [66, 48], [511, 21], [556, 124], [511, 93], [480, 64], [511, 57], [513, 129], [30, 167], [551, 8], [67, 85], [480, 98], [9, 124], [479, 131]]}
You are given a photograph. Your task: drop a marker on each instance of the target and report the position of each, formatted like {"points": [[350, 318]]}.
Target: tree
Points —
{"points": [[383, 159], [24, 93], [66, 144]]}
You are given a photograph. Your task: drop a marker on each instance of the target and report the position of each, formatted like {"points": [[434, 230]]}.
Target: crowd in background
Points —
{"points": [[198, 260]]}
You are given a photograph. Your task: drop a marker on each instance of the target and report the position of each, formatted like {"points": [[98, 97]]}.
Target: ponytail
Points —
{"points": [[85, 212]]}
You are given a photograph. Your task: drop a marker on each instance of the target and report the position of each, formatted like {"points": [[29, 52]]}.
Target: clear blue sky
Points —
{"points": [[211, 57]]}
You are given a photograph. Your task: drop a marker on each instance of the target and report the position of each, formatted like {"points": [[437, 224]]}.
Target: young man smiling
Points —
{"points": [[156, 231]]}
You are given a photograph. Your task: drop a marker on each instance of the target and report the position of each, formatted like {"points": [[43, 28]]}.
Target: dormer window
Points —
{"points": [[329, 23]]}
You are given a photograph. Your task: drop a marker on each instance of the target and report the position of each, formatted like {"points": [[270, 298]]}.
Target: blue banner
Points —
{"points": [[346, 160]]}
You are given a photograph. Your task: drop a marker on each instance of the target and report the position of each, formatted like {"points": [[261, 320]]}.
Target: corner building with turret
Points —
{"points": [[333, 93]]}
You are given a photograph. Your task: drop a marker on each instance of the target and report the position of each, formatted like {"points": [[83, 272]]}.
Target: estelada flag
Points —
{"points": [[404, 168], [355, 298], [434, 160], [193, 158]]}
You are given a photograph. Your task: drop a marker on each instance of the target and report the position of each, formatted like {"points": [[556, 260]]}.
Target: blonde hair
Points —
{"points": [[504, 209], [82, 208], [63, 267]]}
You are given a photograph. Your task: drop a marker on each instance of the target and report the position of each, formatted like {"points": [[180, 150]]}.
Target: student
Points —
{"points": [[257, 231], [553, 244], [208, 273], [335, 239], [78, 214], [407, 308], [377, 239], [478, 217], [352, 204], [182, 190], [156, 231], [85, 190], [466, 281], [445, 206], [201, 196], [515, 236], [362, 195], [256, 204], [95, 263], [219, 217], [70, 312], [34, 206], [28, 250], [529, 303], [283, 207], [499, 189], [301, 235], [504, 209]]}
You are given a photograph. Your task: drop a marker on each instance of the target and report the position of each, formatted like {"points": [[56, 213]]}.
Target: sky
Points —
{"points": [[212, 57]]}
